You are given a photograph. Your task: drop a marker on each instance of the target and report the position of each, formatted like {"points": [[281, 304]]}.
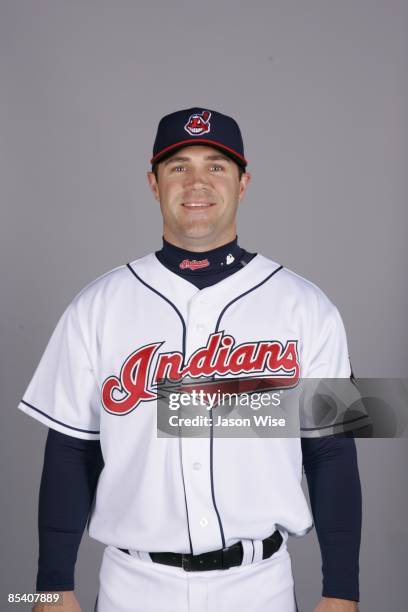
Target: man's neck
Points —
{"points": [[199, 245]]}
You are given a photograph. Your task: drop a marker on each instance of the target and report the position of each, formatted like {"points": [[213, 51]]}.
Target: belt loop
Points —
{"points": [[133, 553], [258, 551], [140, 554], [248, 552], [285, 536]]}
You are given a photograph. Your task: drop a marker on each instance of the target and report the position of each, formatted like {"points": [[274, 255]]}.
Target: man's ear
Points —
{"points": [[151, 178], [243, 184]]}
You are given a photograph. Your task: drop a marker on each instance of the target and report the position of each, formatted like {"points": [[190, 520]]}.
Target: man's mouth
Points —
{"points": [[198, 204]]}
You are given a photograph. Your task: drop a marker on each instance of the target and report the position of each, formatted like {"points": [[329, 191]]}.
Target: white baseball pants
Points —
{"points": [[134, 583]]}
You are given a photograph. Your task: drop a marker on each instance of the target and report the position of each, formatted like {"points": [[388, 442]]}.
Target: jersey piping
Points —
{"points": [[223, 311], [184, 355], [56, 420]]}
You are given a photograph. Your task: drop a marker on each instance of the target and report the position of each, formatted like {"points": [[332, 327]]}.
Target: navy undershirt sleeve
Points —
{"points": [[331, 469], [68, 482]]}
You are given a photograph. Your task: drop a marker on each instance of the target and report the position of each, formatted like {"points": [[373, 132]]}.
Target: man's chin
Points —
{"points": [[199, 232]]}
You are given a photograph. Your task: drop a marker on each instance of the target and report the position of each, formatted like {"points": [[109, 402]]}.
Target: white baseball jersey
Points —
{"points": [[140, 322]]}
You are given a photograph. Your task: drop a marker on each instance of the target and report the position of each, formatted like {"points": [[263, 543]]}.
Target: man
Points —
{"points": [[191, 523]]}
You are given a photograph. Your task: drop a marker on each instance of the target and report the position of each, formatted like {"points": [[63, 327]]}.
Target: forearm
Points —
{"points": [[335, 495], [70, 474]]}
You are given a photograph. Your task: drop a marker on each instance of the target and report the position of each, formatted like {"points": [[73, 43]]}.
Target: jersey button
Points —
{"points": [[204, 522], [197, 466]]}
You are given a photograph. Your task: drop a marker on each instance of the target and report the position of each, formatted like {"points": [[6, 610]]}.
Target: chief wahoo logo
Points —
{"points": [[198, 124]]}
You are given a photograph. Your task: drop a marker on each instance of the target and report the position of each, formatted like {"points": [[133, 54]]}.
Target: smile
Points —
{"points": [[198, 204]]}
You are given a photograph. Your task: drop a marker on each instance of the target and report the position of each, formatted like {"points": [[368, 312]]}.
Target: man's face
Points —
{"points": [[199, 190]]}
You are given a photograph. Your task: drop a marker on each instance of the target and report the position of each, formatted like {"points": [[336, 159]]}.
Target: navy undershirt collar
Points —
{"points": [[204, 268]]}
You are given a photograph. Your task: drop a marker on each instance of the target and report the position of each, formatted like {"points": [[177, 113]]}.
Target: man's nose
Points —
{"points": [[197, 176]]}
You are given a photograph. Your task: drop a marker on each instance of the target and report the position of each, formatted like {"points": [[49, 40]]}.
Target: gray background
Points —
{"points": [[319, 89]]}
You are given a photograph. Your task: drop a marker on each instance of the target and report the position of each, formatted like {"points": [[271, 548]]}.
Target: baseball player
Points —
{"points": [[197, 524]]}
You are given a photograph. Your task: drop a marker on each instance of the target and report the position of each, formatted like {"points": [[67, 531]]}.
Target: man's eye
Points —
{"points": [[178, 168], [217, 168]]}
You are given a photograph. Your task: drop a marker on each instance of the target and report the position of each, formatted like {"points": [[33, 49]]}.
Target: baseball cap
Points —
{"points": [[198, 126]]}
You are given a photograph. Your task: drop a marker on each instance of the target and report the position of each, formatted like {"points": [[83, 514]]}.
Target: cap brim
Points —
{"points": [[170, 150]]}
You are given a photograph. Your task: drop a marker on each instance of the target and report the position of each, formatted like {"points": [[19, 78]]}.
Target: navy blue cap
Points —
{"points": [[198, 126]]}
